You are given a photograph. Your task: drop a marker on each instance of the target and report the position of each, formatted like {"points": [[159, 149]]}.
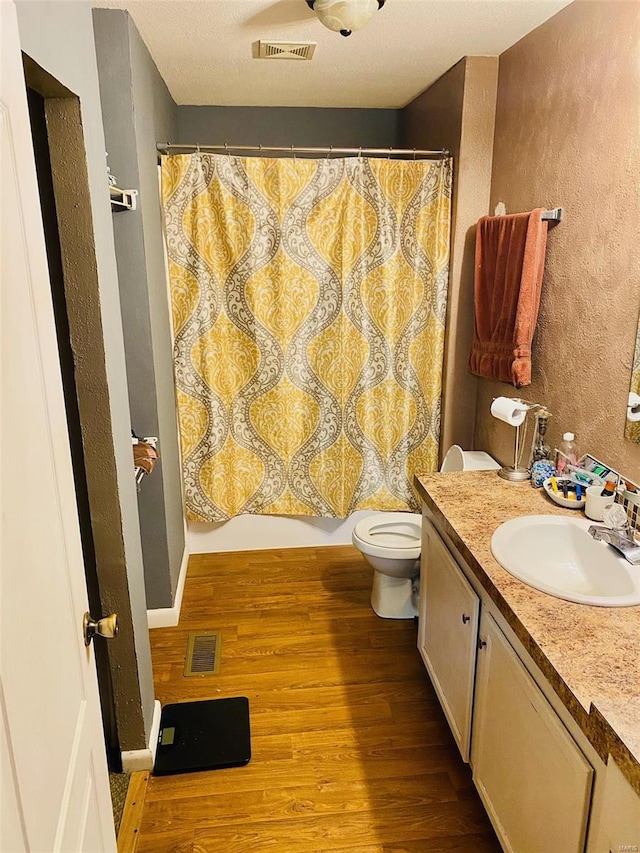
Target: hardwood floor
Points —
{"points": [[351, 751]]}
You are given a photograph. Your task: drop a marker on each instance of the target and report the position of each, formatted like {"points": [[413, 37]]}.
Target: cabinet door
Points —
{"points": [[534, 781], [447, 637], [619, 826]]}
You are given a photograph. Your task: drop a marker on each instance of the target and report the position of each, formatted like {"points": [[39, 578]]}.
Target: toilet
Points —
{"points": [[391, 541]]}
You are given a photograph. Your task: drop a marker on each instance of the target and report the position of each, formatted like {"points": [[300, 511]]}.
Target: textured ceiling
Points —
{"points": [[204, 48]]}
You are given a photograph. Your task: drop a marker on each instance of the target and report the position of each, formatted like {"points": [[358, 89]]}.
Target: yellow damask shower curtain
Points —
{"points": [[308, 302]]}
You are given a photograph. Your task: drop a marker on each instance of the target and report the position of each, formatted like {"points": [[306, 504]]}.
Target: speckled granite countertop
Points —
{"points": [[590, 655]]}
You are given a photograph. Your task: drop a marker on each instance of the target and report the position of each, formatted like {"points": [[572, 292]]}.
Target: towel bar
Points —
{"points": [[554, 215]]}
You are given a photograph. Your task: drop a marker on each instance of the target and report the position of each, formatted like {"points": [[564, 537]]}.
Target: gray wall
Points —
{"points": [[137, 107], [155, 118], [59, 37], [300, 126]]}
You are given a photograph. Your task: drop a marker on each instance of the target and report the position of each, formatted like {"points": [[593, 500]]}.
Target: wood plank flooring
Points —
{"points": [[351, 751], [133, 809]]}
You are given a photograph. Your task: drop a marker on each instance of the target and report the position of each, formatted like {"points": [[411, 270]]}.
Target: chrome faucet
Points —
{"points": [[622, 540]]}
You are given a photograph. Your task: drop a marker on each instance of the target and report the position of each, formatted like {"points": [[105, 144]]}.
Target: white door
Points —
{"points": [[55, 790]]}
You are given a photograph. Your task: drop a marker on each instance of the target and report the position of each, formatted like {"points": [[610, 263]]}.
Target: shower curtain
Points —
{"points": [[308, 301]]}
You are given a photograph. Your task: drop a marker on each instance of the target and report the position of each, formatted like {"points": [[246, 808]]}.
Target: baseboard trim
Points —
{"points": [[143, 759], [155, 730], [168, 617]]}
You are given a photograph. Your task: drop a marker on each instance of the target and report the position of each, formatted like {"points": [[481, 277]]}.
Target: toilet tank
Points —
{"points": [[457, 459]]}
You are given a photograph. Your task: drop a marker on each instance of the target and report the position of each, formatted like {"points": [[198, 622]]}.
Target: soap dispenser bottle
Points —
{"points": [[568, 452], [541, 451]]}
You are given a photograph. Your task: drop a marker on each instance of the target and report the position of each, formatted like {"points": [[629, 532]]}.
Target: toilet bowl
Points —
{"points": [[391, 542]]}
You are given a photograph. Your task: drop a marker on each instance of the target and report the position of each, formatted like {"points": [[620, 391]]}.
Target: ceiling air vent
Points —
{"points": [[286, 50]]}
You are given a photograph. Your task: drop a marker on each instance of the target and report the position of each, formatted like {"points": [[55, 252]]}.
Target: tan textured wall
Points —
{"points": [[457, 112], [567, 133]]}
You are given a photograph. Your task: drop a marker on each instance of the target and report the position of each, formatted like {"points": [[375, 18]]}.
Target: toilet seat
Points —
{"points": [[390, 534]]}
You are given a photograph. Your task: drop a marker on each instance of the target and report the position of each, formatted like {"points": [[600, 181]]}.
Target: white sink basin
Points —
{"points": [[556, 555]]}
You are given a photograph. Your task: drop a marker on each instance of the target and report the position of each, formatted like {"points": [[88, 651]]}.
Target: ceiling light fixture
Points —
{"points": [[345, 16]]}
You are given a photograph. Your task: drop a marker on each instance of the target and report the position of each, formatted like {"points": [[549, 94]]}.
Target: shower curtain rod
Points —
{"points": [[165, 147]]}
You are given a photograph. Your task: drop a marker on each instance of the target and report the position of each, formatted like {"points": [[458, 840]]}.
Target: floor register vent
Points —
{"points": [[203, 653], [286, 50]]}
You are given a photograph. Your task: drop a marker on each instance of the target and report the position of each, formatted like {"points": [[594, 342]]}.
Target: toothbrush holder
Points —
{"points": [[596, 503]]}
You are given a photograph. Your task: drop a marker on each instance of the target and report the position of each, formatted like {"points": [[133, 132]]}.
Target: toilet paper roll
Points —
{"points": [[633, 414], [633, 407], [508, 410]]}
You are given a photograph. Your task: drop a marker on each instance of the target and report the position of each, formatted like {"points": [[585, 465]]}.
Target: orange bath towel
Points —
{"points": [[510, 253]]}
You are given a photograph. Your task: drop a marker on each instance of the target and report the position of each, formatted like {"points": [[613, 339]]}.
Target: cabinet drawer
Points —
{"points": [[447, 636]]}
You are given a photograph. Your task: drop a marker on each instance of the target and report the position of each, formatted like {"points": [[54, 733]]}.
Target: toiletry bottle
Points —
{"points": [[568, 454], [541, 451], [609, 488]]}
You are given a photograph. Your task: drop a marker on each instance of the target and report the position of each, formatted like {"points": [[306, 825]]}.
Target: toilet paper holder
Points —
{"points": [[513, 411]]}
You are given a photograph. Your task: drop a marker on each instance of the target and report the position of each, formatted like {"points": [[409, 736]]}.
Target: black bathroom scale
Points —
{"points": [[205, 735]]}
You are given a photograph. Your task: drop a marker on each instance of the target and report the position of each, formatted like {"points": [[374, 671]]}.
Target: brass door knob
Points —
{"points": [[106, 627]]}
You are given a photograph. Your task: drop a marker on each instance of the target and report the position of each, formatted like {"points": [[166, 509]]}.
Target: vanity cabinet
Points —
{"points": [[447, 634], [532, 777], [530, 772]]}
